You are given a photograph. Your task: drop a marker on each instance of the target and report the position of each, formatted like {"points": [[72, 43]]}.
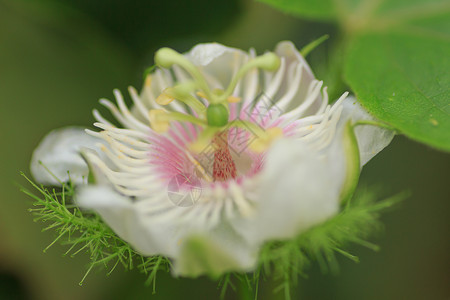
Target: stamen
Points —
{"points": [[148, 81], [157, 120], [166, 57], [182, 92], [215, 116], [164, 98], [201, 94], [268, 62], [160, 119], [233, 99]]}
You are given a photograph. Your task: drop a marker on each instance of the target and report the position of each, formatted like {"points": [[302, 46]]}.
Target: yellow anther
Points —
{"points": [[164, 98], [158, 120], [201, 94], [262, 143], [233, 99], [148, 81]]}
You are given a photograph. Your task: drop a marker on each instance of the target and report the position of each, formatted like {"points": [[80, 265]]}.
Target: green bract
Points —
{"points": [[86, 232]]}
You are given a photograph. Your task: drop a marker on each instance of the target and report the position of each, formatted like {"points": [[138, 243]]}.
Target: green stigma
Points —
{"points": [[216, 113]]}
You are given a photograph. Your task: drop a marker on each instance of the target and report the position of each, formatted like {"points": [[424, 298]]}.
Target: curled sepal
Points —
{"points": [[351, 150], [58, 155]]}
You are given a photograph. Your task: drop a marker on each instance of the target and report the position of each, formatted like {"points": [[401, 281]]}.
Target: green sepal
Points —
{"points": [[353, 168]]}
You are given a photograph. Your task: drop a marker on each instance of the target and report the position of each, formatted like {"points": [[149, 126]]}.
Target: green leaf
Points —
{"points": [[314, 9], [397, 59], [398, 68], [360, 12], [404, 79]]}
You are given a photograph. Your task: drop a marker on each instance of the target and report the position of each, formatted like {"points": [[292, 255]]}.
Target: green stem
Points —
{"points": [[258, 131], [268, 61], [313, 45], [177, 116], [373, 123], [244, 291], [167, 57]]}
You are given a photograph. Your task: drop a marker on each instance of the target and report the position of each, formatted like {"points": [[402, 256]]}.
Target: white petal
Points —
{"points": [[297, 191], [217, 61], [174, 237], [115, 209], [204, 54], [287, 49], [156, 227], [292, 56], [130, 220], [371, 139], [59, 152]]}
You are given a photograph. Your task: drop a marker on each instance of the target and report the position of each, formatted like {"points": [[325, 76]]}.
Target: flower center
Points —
{"points": [[213, 117]]}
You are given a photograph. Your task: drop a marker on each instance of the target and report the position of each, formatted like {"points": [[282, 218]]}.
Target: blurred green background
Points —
{"points": [[57, 58]]}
